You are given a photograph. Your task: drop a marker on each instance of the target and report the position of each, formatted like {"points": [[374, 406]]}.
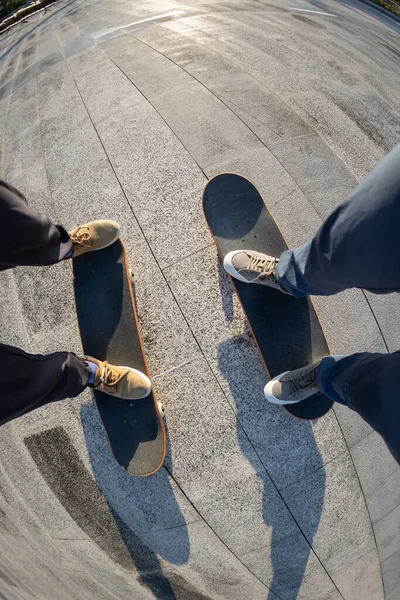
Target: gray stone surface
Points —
{"points": [[361, 578], [202, 123], [219, 470], [342, 532], [128, 125], [391, 577], [288, 568], [260, 109], [371, 457], [160, 179], [387, 310], [288, 448], [104, 88], [317, 170], [388, 534]]}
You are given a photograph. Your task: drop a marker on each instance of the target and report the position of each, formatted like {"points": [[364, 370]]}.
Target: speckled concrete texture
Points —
{"points": [[122, 110]]}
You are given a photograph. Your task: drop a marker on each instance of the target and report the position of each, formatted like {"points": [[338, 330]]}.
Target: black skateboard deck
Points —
{"points": [[110, 331], [286, 329]]}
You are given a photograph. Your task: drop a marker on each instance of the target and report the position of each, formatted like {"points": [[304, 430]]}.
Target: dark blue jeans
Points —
{"points": [[358, 246]]}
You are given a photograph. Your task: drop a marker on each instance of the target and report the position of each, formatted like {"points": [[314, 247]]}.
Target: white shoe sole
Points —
{"points": [[268, 392], [117, 235], [229, 268], [143, 376]]}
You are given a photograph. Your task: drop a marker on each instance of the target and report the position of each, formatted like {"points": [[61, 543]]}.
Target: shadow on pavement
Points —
{"points": [[284, 445], [149, 497], [125, 516]]}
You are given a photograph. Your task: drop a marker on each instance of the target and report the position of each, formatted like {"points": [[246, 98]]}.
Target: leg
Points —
{"points": [[44, 379], [28, 238], [40, 380], [357, 246], [32, 239], [370, 385]]}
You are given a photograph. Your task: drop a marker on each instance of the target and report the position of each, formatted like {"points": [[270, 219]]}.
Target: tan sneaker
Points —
{"points": [[93, 236], [121, 382], [293, 386], [250, 266]]}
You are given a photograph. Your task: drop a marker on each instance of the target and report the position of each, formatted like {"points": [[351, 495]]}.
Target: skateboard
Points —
{"points": [[286, 329], [109, 330]]}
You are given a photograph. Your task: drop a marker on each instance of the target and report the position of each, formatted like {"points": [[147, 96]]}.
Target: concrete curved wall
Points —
{"points": [[101, 118]]}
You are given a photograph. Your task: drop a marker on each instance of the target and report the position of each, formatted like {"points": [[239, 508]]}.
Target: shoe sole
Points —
{"points": [[229, 268], [112, 241], [270, 396]]}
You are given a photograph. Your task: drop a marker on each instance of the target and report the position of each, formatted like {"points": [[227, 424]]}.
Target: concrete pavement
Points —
{"points": [[123, 109]]}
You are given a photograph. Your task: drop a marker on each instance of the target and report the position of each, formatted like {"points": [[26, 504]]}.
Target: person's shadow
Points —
{"points": [[285, 446], [136, 521], [142, 508]]}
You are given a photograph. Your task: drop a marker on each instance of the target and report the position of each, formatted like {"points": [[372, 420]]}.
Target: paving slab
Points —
{"points": [[160, 179], [206, 127], [342, 532], [317, 170], [291, 570], [61, 108], [391, 577], [130, 126], [379, 469], [387, 534], [361, 578], [104, 88], [288, 448]]}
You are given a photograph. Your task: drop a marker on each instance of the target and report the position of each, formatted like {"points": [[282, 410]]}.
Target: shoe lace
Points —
{"points": [[81, 236], [108, 375], [305, 380], [263, 266]]}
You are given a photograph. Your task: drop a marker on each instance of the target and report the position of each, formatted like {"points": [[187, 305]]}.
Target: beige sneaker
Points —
{"points": [[121, 382], [293, 386], [250, 266], [93, 236]]}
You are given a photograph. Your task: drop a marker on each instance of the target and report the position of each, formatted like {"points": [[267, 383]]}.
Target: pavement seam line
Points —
{"points": [[180, 310], [216, 534], [270, 150], [364, 497], [190, 329], [199, 251], [3, 145], [153, 253]]}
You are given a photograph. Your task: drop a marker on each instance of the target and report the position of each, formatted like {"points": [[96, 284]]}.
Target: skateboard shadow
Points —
{"points": [[288, 452], [148, 518]]}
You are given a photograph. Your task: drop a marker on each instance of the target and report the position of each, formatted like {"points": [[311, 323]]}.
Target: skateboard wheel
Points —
{"points": [[161, 408], [131, 275]]}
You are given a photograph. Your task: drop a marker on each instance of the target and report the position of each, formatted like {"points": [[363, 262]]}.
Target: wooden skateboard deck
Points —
{"points": [[286, 329], [110, 331]]}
